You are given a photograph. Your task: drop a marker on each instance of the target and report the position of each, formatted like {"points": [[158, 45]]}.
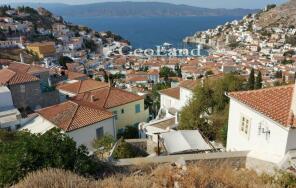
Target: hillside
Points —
{"points": [[137, 9], [166, 175], [284, 15]]}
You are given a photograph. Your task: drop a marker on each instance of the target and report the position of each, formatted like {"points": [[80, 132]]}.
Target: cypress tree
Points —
{"points": [[251, 80], [258, 84]]}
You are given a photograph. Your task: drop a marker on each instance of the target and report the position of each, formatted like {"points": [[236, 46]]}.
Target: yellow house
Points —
{"points": [[130, 114], [42, 49], [128, 108]]}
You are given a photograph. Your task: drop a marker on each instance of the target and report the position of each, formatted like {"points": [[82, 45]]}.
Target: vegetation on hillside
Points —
{"points": [[22, 153], [196, 175], [208, 109], [126, 150]]}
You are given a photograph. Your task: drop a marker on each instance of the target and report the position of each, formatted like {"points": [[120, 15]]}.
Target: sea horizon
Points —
{"points": [[151, 31]]}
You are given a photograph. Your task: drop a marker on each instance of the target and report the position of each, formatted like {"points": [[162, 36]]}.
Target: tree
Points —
{"points": [[129, 132], [208, 109], [251, 80], [22, 152], [63, 60], [90, 44], [166, 72], [178, 70], [258, 83]]}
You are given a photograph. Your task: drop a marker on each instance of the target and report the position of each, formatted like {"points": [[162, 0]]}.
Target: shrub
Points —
{"points": [[129, 132], [22, 152], [106, 141], [126, 150]]}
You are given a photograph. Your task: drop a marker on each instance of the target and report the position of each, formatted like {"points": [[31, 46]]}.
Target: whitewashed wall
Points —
{"points": [[169, 102], [185, 96], [272, 149], [86, 135]]}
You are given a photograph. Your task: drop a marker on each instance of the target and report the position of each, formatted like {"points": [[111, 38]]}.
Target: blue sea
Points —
{"points": [[148, 32]]}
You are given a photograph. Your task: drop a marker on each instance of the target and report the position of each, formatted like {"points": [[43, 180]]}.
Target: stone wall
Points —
{"points": [[26, 95], [49, 98], [235, 159]]}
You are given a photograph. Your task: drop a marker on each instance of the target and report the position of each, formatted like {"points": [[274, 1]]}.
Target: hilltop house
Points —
{"points": [[29, 85], [177, 97], [263, 122], [25, 88], [75, 87], [9, 115], [82, 122], [127, 107]]}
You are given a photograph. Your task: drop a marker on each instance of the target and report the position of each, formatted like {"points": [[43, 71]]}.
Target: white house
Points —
{"points": [[263, 122], [82, 122], [179, 96], [10, 117]]}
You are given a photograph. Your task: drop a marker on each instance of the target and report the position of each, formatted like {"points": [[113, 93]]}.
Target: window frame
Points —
{"points": [[98, 132], [138, 108], [245, 125]]}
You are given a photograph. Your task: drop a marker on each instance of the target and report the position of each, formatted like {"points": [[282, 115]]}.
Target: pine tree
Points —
{"points": [[258, 84], [251, 80]]}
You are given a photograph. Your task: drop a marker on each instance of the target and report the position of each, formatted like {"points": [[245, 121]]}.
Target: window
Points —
{"points": [[245, 125], [23, 88], [100, 132], [115, 114], [122, 111], [138, 108]]}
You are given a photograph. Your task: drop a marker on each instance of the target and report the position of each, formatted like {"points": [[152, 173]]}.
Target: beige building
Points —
{"points": [[127, 107], [43, 49]]}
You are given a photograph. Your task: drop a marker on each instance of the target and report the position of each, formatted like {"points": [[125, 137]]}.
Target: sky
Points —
{"points": [[200, 3]]}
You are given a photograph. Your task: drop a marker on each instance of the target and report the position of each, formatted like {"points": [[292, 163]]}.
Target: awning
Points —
{"points": [[184, 141]]}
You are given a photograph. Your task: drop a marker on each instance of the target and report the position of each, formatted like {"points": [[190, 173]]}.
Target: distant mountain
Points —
{"points": [[136, 9]]}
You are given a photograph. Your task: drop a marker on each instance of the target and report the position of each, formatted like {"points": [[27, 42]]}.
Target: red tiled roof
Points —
{"points": [[82, 86], [75, 75], [172, 92], [189, 84], [26, 68], [9, 77], [19, 67], [274, 103], [108, 97], [137, 79], [70, 116]]}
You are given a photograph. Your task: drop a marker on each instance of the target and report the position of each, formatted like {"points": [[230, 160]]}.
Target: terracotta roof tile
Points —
{"points": [[75, 75], [19, 67], [9, 77], [189, 84], [274, 103], [71, 116], [82, 86], [172, 92], [26, 68], [109, 97]]}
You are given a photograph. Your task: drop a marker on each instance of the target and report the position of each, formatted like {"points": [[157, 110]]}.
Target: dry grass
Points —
{"points": [[196, 175]]}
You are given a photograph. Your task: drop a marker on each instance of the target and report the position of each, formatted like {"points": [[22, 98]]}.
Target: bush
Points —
{"points": [[22, 152], [129, 132], [126, 150], [106, 141]]}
